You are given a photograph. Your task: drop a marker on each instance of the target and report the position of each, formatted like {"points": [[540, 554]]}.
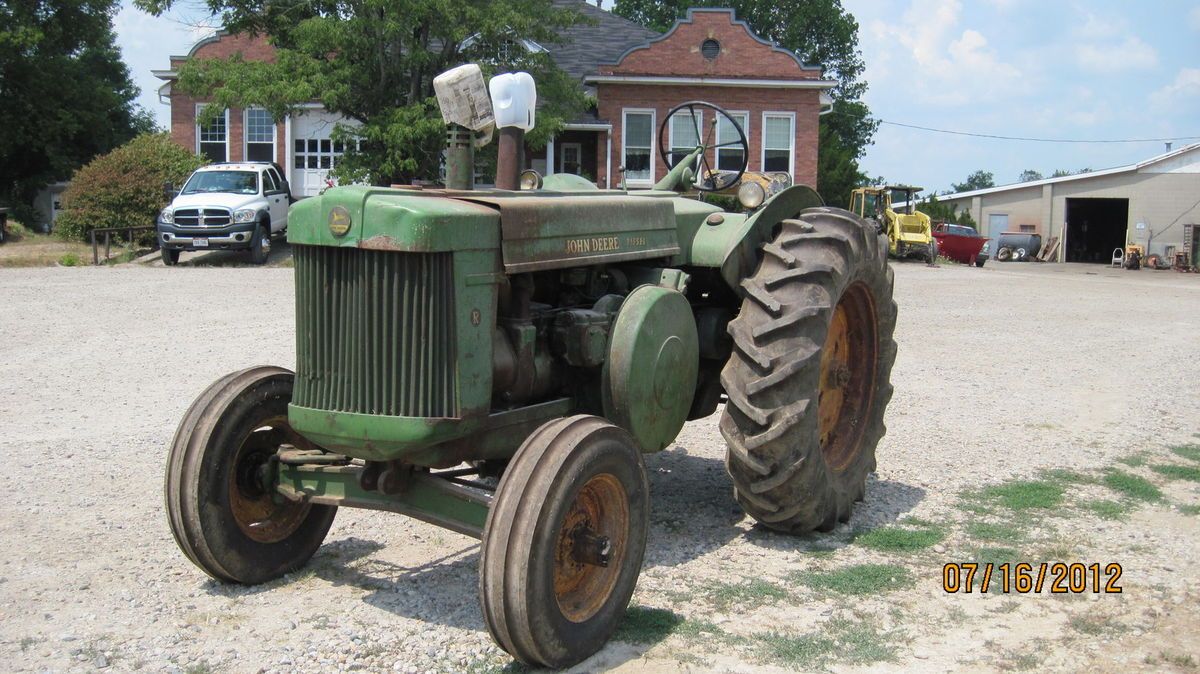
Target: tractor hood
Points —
{"points": [[393, 219]]}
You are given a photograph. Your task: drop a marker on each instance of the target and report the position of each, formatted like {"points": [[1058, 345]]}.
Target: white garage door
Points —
{"points": [[314, 152]]}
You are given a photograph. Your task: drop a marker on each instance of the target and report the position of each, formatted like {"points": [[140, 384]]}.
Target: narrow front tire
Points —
{"points": [[563, 543], [222, 514]]}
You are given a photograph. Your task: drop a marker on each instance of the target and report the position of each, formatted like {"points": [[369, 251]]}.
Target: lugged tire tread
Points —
{"points": [[770, 425]]}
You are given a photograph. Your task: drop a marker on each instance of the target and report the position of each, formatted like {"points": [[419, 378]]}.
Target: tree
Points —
{"points": [[945, 212], [124, 188], [373, 61], [1028, 176], [976, 181], [819, 31], [65, 95]]}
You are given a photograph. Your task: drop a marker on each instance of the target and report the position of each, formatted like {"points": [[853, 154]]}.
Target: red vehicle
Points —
{"points": [[961, 244]]}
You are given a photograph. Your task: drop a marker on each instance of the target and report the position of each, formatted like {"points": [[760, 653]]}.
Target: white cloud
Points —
{"points": [[1130, 54], [1186, 85], [949, 64], [1105, 44]]}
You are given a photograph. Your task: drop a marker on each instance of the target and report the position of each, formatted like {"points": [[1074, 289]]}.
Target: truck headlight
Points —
{"points": [[167, 216], [244, 215]]}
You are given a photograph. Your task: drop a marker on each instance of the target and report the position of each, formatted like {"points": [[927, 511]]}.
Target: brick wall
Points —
{"points": [[742, 54], [183, 106], [804, 103]]}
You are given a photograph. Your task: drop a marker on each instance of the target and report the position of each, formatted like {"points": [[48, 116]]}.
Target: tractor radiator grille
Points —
{"points": [[375, 332]]}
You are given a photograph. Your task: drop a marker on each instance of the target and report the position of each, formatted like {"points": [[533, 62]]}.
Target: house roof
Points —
{"points": [[1078, 176], [602, 37]]}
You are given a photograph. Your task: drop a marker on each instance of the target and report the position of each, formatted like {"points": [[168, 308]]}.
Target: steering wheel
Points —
{"points": [[708, 180]]}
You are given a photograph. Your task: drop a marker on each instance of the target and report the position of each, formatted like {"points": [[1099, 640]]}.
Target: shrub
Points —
{"points": [[124, 188]]}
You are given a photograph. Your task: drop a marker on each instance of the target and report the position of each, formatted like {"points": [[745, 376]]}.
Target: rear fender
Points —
{"points": [[733, 245]]}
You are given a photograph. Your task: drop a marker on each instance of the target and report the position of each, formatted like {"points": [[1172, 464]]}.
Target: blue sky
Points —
{"points": [[1101, 69]]}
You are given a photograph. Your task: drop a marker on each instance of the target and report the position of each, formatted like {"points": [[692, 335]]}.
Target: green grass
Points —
{"points": [[1189, 452], [1134, 460], [993, 554], [1066, 476], [990, 531], [725, 595], [644, 625], [70, 260], [918, 522], [840, 640], [1177, 472], [858, 580], [1025, 494], [1108, 510], [1190, 509], [900, 539], [1132, 486], [1096, 625]]}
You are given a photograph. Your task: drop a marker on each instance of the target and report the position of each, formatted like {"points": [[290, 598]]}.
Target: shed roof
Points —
{"points": [[1158, 159]]}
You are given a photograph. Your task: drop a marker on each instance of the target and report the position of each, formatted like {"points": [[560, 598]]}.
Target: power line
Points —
{"points": [[1038, 140]]}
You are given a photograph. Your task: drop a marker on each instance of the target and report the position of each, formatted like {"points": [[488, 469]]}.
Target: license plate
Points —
{"points": [[200, 243]]}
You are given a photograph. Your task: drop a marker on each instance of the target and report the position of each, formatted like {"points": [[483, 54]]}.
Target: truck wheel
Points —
{"points": [[169, 257], [933, 253], [260, 246], [222, 515], [809, 377], [1004, 254], [563, 543]]}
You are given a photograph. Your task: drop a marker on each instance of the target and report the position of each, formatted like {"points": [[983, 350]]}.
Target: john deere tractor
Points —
{"points": [[497, 362], [909, 232]]}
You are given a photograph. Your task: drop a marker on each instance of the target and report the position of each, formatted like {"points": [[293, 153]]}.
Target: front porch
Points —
{"points": [[582, 149]]}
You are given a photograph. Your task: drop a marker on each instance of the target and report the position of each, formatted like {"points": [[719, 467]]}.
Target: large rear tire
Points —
{"points": [[223, 518], [809, 377]]}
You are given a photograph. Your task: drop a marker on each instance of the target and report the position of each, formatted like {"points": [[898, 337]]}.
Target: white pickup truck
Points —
{"points": [[227, 206]]}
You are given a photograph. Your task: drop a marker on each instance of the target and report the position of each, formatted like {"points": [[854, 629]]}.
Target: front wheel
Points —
{"points": [[563, 543], [221, 510], [260, 247], [809, 377], [169, 257]]}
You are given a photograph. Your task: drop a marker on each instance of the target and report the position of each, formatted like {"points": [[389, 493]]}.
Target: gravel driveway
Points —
{"points": [[1003, 372]]}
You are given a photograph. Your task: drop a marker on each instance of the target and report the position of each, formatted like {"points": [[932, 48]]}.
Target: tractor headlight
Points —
{"points": [[167, 216], [244, 215], [531, 180], [751, 195]]}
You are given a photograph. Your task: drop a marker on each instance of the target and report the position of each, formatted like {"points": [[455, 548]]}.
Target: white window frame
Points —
{"points": [[762, 157], [562, 156], [671, 132], [246, 135], [745, 130], [196, 124], [625, 142]]}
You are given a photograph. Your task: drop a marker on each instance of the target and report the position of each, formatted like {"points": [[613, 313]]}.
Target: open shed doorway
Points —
{"points": [[1096, 227]]}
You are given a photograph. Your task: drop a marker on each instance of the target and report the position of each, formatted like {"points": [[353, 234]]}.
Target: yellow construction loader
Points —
{"points": [[910, 232]]}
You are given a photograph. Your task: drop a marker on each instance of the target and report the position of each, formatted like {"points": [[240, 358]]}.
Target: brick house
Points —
{"points": [[636, 75]]}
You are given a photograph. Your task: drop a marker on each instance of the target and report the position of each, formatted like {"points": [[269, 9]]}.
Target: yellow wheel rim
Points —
{"points": [[847, 386], [601, 509]]}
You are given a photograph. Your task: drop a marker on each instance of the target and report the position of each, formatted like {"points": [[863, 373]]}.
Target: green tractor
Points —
{"points": [[496, 362]]}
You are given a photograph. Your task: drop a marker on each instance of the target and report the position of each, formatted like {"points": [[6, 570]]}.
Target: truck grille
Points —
{"points": [[375, 332], [209, 217]]}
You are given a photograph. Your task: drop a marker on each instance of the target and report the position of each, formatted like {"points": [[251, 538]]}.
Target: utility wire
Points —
{"points": [[1037, 140]]}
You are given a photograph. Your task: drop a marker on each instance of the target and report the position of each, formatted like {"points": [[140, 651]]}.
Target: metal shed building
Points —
{"points": [[1154, 203]]}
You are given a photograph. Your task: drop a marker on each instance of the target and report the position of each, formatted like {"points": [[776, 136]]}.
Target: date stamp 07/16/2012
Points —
{"points": [[1024, 578]]}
